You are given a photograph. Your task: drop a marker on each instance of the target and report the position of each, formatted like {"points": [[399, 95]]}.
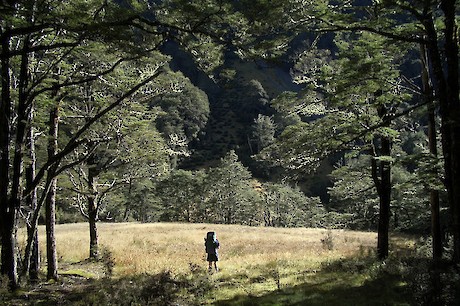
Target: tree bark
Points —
{"points": [[50, 204], [93, 235], [452, 116], [384, 192], [447, 91], [32, 263], [381, 174], [8, 213], [92, 208], [432, 142]]}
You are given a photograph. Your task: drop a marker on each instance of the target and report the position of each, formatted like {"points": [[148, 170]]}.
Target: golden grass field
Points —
{"points": [[247, 254], [155, 247], [271, 264]]}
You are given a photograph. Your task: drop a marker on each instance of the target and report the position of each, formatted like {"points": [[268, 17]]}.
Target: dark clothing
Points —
{"points": [[212, 257], [211, 249]]}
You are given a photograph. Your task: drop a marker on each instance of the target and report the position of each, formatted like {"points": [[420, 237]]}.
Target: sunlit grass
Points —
{"points": [[254, 261], [155, 247]]}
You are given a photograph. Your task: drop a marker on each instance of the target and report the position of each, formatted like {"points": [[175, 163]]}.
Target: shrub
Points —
{"points": [[327, 242]]}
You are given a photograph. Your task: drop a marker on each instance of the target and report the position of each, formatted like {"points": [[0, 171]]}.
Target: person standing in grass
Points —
{"points": [[211, 245]]}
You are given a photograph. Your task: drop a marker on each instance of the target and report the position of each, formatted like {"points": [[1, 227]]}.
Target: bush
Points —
{"points": [[327, 242]]}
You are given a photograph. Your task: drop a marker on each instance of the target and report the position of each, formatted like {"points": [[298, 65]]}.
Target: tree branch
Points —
{"points": [[75, 142]]}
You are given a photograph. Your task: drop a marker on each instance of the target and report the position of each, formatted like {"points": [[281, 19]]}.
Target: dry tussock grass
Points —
{"points": [[154, 247]]}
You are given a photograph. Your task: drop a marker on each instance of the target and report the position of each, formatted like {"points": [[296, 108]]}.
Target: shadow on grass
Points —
{"points": [[158, 289], [364, 281], [333, 289], [358, 281]]}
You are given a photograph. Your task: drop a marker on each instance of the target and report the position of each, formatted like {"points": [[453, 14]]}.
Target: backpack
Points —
{"points": [[210, 236], [211, 243]]}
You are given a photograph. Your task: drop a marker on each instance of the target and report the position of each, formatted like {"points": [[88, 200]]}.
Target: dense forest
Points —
{"points": [[331, 114]]}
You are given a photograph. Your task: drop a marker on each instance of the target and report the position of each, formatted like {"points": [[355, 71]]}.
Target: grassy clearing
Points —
{"points": [[258, 266], [152, 248]]}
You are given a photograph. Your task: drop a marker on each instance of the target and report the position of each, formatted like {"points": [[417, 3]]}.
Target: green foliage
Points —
{"points": [[285, 206], [185, 111], [125, 148], [135, 203], [340, 104], [263, 132], [231, 198], [227, 193], [353, 192], [181, 195]]}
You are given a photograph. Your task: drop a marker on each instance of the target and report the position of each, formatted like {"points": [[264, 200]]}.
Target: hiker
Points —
{"points": [[211, 245]]}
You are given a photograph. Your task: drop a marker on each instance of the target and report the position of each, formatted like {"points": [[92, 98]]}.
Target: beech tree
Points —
{"points": [[184, 113], [432, 24], [129, 149], [38, 39], [182, 195], [231, 199], [353, 191], [263, 132], [285, 206], [347, 105], [42, 44]]}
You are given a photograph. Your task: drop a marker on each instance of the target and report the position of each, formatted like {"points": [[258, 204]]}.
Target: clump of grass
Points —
{"points": [[108, 261], [327, 242], [4, 281]]}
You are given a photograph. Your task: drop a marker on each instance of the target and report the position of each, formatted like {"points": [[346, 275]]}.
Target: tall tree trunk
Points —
{"points": [[23, 108], [381, 174], [452, 102], [384, 191], [7, 210], [434, 194], [93, 235], [32, 263], [447, 91], [432, 142], [92, 208], [50, 204]]}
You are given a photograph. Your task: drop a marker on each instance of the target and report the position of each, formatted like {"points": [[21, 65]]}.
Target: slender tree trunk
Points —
{"points": [[93, 235], [381, 174], [384, 192], [32, 263], [432, 142], [50, 204], [7, 210], [92, 209], [51, 254], [12, 205], [434, 194], [450, 10]]}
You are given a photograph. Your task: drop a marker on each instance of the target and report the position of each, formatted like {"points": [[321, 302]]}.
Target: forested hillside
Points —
{"points": [[261, 113], [240, 106]]}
